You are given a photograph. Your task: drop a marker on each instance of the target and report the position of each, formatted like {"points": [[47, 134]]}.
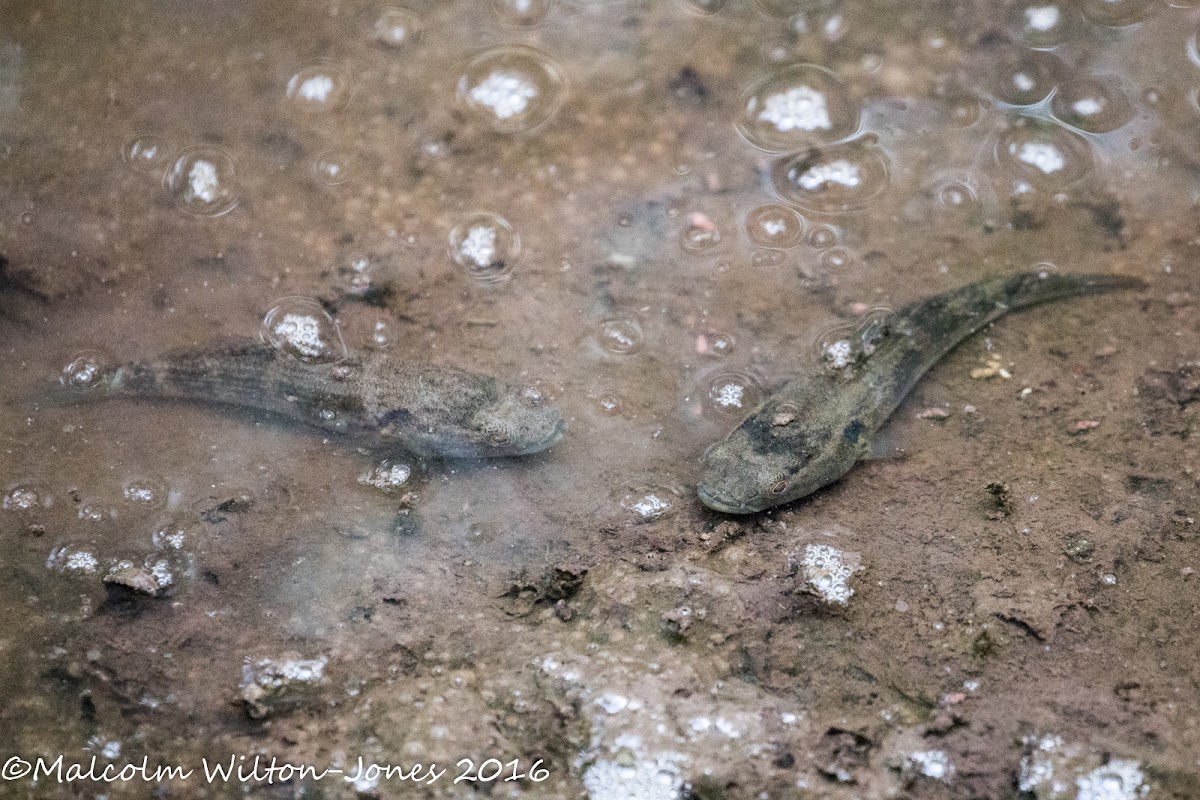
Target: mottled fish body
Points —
{"points": [[376, 398], [813, 430]]}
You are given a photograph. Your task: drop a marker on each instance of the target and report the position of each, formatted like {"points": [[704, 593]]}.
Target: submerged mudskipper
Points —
{"points": [[814, 429], [377, 399]]}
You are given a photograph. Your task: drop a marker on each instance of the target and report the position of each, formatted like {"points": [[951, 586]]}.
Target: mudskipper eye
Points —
{"points": [[498, 439], [780, 487]]}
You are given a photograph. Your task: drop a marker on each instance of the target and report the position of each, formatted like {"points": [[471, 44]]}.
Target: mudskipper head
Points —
{"points": [[739, 480], [516, 423], [775, 456]]}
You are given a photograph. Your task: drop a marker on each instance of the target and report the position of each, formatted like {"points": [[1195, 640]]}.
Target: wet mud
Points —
{"points": [[651, 215]]}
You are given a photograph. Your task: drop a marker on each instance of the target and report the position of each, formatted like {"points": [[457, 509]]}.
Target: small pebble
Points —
{"points": [[993, 368], [783, 418]]}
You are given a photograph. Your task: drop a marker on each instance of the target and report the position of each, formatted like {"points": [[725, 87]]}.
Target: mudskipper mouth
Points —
{"points": [[717, 504], [550, 440], [538, 446]]}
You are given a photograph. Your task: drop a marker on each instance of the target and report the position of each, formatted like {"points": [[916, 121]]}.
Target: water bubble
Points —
{"points": [[387, 476], [1092, 104], [147, 154], [762, 259], [24, 497], [822, 236], [836, 347], [357, 272], [1116, 12], [486, 246], [774, 225], [716, 344], [202, 181], [332, 168], [796, 107], [845, 345], [1045, 269], [66, 559], [145, 492], [842, 177], [511, 89], [541, 392], [649, 503], [168, 537], [1043, 23], [523, 12], [301, 328], [322, 87], [1044, 155], [608, 404], [380, 335], [26, 217], [621, 335], [734, 392], [956, 196], [703, 6], [700, 234], [85, 371], [964, 108], [1021, 77], [836, 259], [94, 512], [396, 27]]}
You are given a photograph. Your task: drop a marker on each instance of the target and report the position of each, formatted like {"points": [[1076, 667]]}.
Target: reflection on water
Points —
{"points": [[649, 216]]}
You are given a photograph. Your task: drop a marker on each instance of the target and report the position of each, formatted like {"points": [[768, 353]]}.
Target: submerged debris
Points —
{"points": [[1001, 494], [153, 578], [387, 476], [556, 585], [843, 752], [1080, 550], [677, 622], [270, 685]]}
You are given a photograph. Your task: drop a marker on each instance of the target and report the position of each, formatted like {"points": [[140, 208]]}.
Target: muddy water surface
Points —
{"points": [[654, 214]]}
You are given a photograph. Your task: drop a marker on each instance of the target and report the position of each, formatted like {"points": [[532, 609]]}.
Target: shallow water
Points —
{"points": [[668, 249]]}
